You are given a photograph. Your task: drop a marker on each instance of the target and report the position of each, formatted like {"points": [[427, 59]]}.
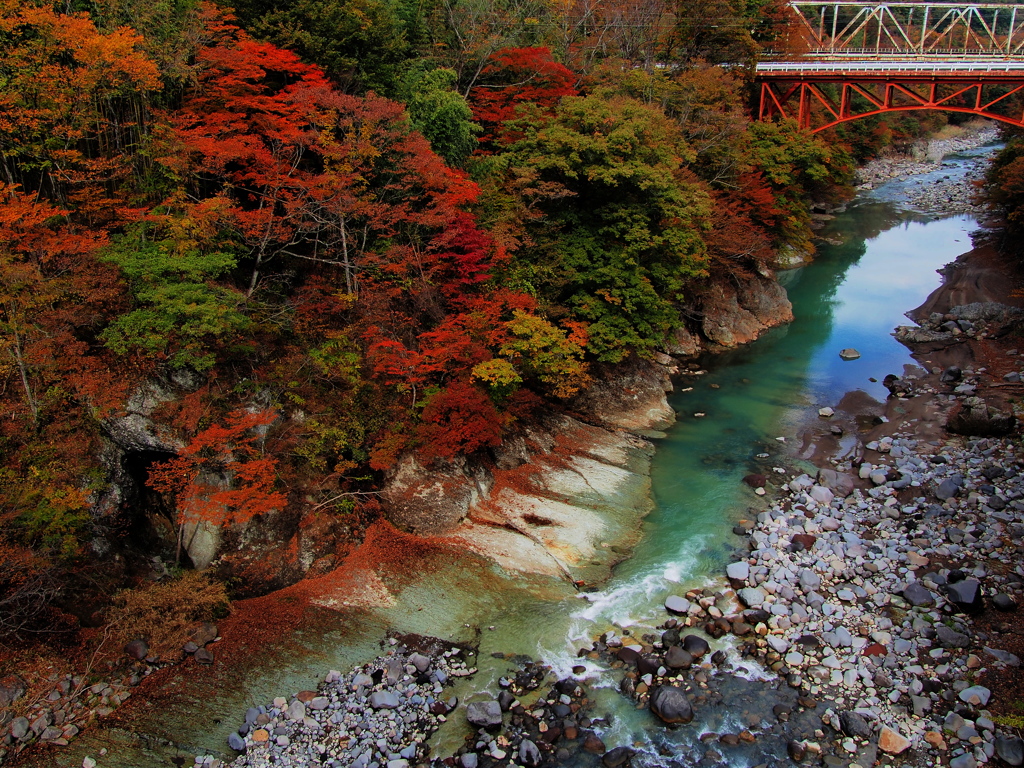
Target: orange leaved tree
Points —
{"points": [[223, 475]]}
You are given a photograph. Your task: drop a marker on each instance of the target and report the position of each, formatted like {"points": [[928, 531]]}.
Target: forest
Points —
{"points": [[252, 254]]}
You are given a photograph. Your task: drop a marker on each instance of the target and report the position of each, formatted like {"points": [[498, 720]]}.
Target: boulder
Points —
{"points": [[671, 705], [892, 742], [529, 754], [752, 597], [918, 596], [617, 758], [484, 714], [975, 418], [755, 480], [950, 638], [849, 353], [840, 483], [695, 646], [676, 604], [388, 700], [677, 658], [977, 695], [1010, 750], [966, 595], [738, 571], [1003, 602], [137, 649], [854, 724]]}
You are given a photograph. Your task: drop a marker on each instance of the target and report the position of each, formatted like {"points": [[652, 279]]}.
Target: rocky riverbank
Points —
{"points": [[952, 193]]}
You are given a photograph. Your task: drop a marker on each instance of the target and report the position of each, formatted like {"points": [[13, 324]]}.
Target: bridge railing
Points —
{"points": [[933, 67]]}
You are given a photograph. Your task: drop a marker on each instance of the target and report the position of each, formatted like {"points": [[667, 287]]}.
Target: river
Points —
{"points": [[852, 295]]}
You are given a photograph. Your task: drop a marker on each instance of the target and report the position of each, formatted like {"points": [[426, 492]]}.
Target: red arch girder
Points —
{"points": [[776, 100]]}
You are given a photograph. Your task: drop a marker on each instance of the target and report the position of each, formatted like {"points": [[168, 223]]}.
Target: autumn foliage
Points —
{"points": [[251, 266]]}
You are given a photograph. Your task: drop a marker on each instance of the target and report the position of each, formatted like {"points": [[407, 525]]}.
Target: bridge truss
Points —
{"points": [[865, 29], [866, 58]]}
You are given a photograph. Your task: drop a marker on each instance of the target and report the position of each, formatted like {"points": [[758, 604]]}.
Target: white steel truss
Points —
{"points": [[866, 29]]}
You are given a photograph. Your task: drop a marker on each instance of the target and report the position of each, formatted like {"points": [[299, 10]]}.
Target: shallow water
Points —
{"points": [[852, 295]]}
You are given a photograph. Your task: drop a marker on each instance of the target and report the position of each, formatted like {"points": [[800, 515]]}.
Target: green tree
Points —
{"points": [[178, 311], [362, 45], [608, 218], [440, 112]]}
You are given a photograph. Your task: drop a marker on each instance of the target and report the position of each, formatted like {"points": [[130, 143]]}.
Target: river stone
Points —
{"points": [[529, 754], [469, 760], [976, 694], [676, 604], [677, 658], [752, 597], [854, 724], [388, 700], [809, 580], [892, 742], [947, 489], [421, 662], [12, 688], [484, 714], [695, 646], [963, 761], [950, 638], [1010, 750], [616, 758], [966, 595], [738, 571], [755, 480], [1003, 602], [670, 704], [849, 353], [236, 742], [137, 649], [918, 596], [19, 727], [297, 710], [1002, 656], [821, 494]]}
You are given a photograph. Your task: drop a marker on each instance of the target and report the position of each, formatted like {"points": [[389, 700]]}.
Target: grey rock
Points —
{"points": [[752, 597], [947, 489], [966, 595], [978, 692], [849, 353], [738, 571], [484, 714], [1010, 750], [296, 710], [19, 728], [676, 604], [469, 760], [950, 638], [421, 662], [1004, 657], [671, 705], [1003, 602], [677, 658], [236, 742], [854, 724], [809, 580], [963, 761], [917, 595], [137, 649], [386, 700], [529, 754]]}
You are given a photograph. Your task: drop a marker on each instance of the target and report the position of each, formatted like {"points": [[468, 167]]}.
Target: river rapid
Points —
{"points": [[852, 295]]}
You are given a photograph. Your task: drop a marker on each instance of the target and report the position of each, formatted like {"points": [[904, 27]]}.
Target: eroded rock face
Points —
{"points": [[632, 397], [738, 312], [977, 419], [135, 430], [431, 501]]}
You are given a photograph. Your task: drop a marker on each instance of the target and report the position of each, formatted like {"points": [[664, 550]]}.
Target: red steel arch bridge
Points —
{"points": [[864, 58]]}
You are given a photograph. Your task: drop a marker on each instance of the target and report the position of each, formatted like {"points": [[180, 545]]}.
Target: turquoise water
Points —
{"points": [[852, 295]]}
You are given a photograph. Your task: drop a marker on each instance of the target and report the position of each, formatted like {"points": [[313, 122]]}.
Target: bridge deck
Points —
{"points": [[932, 69]]}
